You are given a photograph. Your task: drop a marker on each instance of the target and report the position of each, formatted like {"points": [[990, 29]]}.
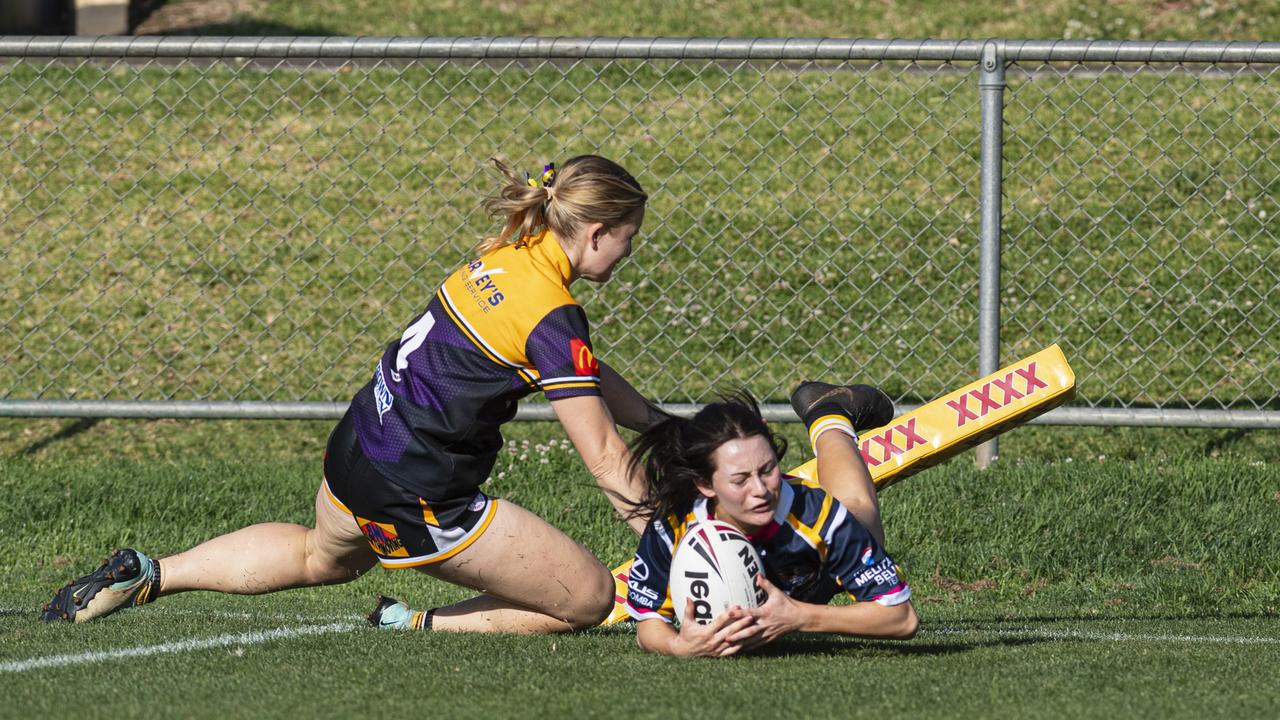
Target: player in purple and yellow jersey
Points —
{"points": [[723, 464], [404, 467]]}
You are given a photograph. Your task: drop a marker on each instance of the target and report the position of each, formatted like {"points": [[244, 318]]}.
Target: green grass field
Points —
{"points": [[250, 234], [1052, 585], [236, 233], [1101, 19]]}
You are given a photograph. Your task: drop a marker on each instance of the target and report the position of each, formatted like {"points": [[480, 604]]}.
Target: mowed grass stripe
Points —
{"points": [[249, 638]]}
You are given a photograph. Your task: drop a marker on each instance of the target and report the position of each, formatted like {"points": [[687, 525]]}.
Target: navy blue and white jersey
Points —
{"points": [[812, 550]]}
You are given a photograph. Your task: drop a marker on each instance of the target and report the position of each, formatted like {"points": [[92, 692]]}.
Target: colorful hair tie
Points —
{"points": [[548, 174]]}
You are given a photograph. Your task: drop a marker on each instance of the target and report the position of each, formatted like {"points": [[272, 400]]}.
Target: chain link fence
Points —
{"points": [[236, 227]]}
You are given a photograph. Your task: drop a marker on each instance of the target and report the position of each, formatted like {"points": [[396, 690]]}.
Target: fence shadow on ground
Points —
{"points": [[68, 431]]}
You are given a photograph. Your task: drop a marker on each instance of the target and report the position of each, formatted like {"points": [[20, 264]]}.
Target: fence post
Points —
{"points": [[991, 91]]}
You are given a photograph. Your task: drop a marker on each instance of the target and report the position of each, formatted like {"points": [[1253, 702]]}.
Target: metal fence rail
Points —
{"points": [[233, 227]]}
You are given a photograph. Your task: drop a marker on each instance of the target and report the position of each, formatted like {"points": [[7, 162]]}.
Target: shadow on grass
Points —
{"points": [[1226, 440], [833, 644], [67, 431], [818, 644]]}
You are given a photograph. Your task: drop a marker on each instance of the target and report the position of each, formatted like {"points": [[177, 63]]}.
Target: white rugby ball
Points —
{"points": [[715, 566]]}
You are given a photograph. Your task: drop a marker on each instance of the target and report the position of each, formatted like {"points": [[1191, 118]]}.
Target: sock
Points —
{"points": [[827, 421], [150, 577], [398, 616], [152, 593], [423, 620]]}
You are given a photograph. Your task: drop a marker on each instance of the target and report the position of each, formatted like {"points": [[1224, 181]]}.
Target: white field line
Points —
{"points": [[249, 638], [1051, 634], [261, 636]]}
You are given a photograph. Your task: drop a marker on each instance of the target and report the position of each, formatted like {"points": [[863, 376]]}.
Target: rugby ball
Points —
{"points": [[715, 566]]}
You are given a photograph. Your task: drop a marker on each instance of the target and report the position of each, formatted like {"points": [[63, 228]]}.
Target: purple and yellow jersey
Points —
{"points": [[812, 550], [500, 328]]}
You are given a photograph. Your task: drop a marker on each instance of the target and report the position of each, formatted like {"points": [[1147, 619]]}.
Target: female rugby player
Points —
{"points": [[723, 464], [404, 466]]}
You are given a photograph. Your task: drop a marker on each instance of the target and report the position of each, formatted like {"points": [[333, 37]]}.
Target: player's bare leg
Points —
{"points": [[268, 557], [535, 579], [840, 467], [832, 413], [255, 560]]}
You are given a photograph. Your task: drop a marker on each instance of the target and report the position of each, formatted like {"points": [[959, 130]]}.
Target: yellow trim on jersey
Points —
{"points": [[809, 533], [668, 605], [822, 514], [529, 376], [500, 297], [470, 333], [569, 385], [678, 531], [807, 482]]}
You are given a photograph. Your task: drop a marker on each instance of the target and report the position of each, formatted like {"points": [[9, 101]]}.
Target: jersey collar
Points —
{"points": [[546, 246], [786, 496]]}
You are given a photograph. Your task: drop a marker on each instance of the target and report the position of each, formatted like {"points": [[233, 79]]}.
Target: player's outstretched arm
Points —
{"points": [[631, 409], [728, 634], [590, 428], [781, 614]]}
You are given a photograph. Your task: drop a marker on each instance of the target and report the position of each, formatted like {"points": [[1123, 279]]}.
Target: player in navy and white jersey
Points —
{"points": [[404, 467], [723, 464]]}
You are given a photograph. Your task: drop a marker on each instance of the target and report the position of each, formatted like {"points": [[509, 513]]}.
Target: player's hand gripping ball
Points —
{"points": [[715, 566]]}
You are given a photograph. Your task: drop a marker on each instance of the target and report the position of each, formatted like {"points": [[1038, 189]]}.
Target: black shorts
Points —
{"points": [[401, 527]]}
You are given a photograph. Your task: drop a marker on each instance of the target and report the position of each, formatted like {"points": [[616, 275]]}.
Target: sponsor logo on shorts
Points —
{"points": [[584, 361], [383, 538], [381, 393], [978, 402], [477, 502], [639, 570], [868, 557]]}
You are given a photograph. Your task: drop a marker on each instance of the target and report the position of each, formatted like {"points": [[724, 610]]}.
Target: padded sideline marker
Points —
{"points": [[940, 429], [963, 418]]}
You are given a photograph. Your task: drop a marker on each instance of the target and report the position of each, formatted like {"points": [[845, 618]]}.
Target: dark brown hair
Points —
{"points": [[674, 456]]}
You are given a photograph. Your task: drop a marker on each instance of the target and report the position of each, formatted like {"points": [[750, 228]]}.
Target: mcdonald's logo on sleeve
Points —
{"points": [[584, 361]]}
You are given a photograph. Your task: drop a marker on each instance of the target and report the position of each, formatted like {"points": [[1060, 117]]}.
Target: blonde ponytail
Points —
{"points": [[587, 189]]}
